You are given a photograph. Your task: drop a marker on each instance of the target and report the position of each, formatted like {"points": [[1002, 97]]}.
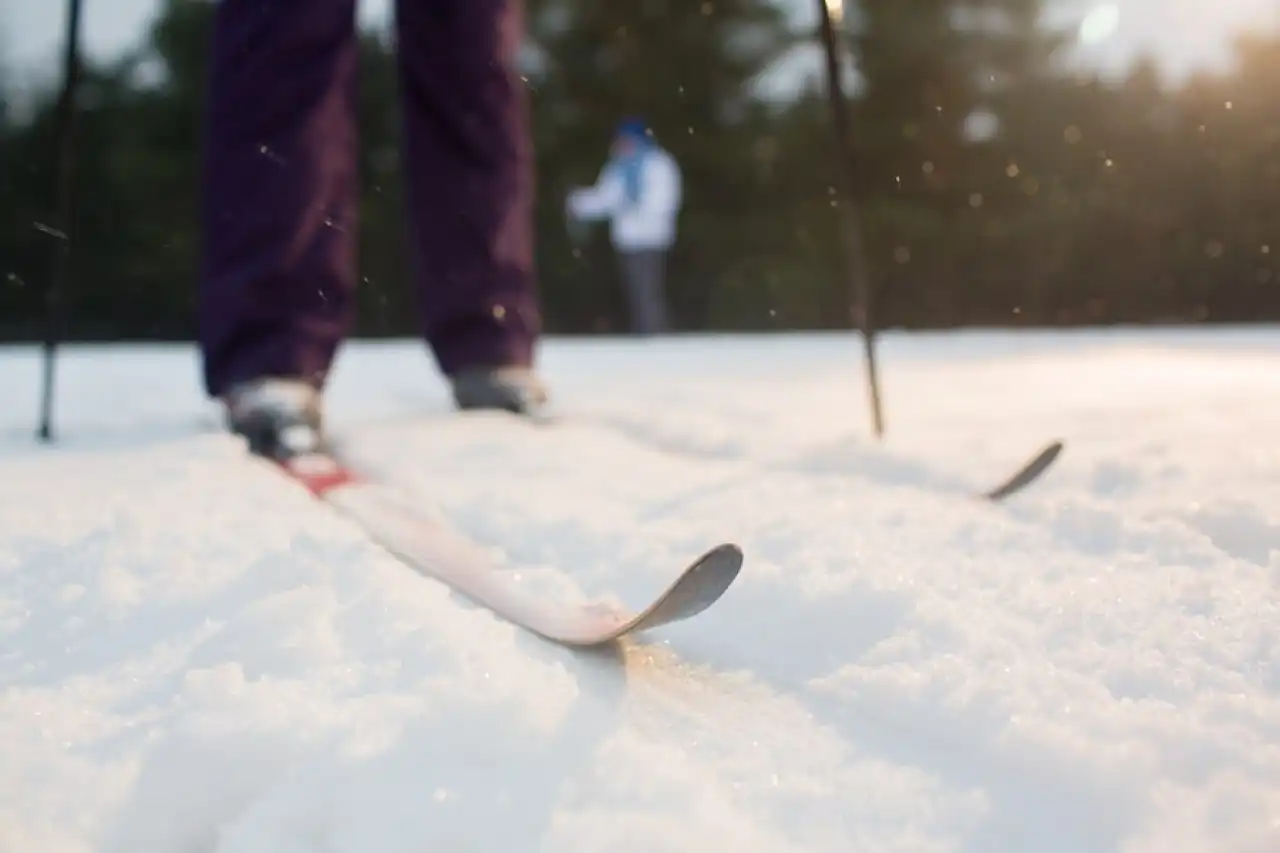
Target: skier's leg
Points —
{"points": [[626, 265], [642, 276], [468, 165], [277, 285], [652, 274]]}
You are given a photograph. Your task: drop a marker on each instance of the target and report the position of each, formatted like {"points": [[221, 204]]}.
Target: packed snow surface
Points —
{"points": [[195, 656]]}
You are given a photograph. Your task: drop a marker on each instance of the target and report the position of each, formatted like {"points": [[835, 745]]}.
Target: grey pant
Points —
{"points": [[643, 274]]}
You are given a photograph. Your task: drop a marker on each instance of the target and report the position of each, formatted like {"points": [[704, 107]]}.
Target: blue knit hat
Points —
{"points": [[633, 128]]}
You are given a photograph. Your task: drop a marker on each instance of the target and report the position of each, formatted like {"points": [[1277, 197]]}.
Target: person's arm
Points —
{"points": [[597, 201]]}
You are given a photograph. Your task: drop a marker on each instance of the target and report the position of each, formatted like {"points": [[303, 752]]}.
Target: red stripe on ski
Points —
{"points": [[319, 473]]}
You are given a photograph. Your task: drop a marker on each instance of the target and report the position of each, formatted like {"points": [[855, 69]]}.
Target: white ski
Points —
{"points": [[443, 554]]}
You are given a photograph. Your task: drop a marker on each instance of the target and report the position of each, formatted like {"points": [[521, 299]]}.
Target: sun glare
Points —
{"points": [[1100, 24]]}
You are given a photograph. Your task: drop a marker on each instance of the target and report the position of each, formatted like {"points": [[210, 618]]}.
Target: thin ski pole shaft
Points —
{"points": [[55, 291], [855, 253]]}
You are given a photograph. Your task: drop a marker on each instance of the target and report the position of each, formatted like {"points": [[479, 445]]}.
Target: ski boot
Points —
{"points": [[279, 418], [514, 389]]}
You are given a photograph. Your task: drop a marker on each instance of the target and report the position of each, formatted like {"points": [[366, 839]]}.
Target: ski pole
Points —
{"points": [[55, 302], [855, 253]]}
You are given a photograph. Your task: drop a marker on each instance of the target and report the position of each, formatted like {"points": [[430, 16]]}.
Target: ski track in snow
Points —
{"points": [[196, 658]]}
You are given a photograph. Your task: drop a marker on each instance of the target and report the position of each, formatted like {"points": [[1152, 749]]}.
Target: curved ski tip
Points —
{"points": [[726, 555], [1047, 455], [1028, 473], [724, 561]]}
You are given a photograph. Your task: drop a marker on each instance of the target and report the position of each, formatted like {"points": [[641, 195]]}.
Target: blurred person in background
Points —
{"points": [[639, 190]]}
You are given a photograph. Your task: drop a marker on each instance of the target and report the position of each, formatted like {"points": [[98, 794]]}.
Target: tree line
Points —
{"points": [[994, 185]]}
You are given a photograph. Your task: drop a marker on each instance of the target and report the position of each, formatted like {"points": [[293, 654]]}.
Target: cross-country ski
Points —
{"points": [[429, 547]]}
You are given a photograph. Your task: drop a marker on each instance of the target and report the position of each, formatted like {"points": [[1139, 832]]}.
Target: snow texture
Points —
{"points": [[195, 657]]}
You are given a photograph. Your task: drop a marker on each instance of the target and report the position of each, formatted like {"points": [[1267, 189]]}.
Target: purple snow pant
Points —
{"points": [[278, 284]]}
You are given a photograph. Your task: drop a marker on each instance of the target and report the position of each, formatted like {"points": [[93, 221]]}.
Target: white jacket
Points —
{"points": [[648, 224]]}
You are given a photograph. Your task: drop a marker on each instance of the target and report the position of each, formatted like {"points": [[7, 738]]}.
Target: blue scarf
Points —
{"points": [[631, 165]]}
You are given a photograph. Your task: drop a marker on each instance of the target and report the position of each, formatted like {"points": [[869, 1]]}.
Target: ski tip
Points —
{"points": [[700, 585], [1048, 453], [715, 571], [1028, 473], [727, 556]]}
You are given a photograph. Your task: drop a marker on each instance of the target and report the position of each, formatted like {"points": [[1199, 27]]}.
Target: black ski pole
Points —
{"points": [[55, 300], [855, 254]]}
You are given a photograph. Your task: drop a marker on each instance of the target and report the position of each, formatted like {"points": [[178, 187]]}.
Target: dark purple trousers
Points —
{"points": [[280, 197]]}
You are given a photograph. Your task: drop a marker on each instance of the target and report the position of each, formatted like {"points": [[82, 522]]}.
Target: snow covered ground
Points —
{"points": [[195, 657]]}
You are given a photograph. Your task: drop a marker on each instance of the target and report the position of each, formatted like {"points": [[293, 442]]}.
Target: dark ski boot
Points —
{"points": [[279, 418], [512, 388]]}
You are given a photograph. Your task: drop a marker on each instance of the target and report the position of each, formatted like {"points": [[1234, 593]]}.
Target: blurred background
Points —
{"points": [[1017, 162]]}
